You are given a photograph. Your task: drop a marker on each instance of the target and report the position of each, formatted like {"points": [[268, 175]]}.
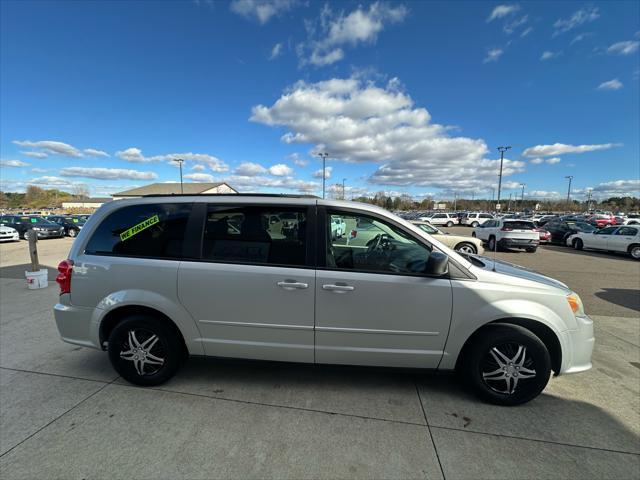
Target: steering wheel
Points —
{"points": [[382, 241]]}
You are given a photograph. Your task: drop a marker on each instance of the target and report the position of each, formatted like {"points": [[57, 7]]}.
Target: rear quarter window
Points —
{"points": [[147, 230], [520, 225]]}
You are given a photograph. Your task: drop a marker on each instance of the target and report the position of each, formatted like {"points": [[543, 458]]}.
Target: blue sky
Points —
{"points": [[407, 97]]}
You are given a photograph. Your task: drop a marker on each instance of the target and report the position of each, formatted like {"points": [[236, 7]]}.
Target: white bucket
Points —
{"points": [[37, 279]]}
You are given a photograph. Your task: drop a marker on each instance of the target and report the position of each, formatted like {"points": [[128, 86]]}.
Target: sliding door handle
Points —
{"points": [[338, 288], [287, 285]]}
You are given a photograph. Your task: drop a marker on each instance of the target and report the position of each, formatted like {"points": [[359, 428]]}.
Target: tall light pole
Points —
{"points": [[343, 180], [501, 150], [522, 196], [570, 177], [589, 192], [324, 156], [180, 162]]}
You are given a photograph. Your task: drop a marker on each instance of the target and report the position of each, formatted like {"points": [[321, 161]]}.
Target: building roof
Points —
{"points": [[170, 189], [89, 200]]}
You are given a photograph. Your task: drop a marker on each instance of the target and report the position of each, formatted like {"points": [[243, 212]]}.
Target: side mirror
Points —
{"points": [[437, 264]]}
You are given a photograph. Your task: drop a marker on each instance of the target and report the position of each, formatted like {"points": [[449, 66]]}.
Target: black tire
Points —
{"points": [[577, 244], [475, 224], [634, 251], [168, 347], [72, 232], [480, 359], [473, 234], [531, 250], [449, 223], [466, 247], [492, 243], [27, 234]]}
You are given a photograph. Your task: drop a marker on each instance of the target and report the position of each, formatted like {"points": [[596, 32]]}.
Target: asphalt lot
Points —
{"points": [[64, 413]]}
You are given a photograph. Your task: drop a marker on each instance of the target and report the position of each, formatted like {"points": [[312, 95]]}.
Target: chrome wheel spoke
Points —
{"points": [[502, 360], [133, 341], [510, 370], [495, 375], [153, 362], [149, 342], [140, 353]]}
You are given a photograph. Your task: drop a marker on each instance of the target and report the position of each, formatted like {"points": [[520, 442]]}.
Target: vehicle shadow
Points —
{"points": [[624, 297], [17, 271], [590, 253]]}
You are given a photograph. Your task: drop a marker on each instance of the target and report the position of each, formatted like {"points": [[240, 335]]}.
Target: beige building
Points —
{"points": [[92, 203], [174, 189]]}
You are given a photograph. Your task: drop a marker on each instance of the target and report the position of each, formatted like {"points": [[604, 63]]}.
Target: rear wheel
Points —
{"points": [[475, 224], [466, 247], [145, 351], [507, 365], [577, 244], [449, 223], [634, 251], [492, 243], [531, 250]]}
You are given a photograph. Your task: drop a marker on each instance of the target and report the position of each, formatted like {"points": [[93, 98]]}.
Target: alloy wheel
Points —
{"points": [[144, 351], [466, 248], [505, 366], [635, 252]]}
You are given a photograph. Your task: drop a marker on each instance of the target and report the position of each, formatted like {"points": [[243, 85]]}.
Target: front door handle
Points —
{"points": [[289, 285], [338, 288]]}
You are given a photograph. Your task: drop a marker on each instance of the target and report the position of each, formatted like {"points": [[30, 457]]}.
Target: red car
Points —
{"points": [[545, 236], [602, 220]]}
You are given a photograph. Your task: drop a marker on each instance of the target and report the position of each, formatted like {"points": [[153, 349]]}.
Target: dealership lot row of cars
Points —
{"points": [[15, 227]]}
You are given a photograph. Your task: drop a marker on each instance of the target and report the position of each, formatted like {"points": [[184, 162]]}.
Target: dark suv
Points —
{"points": [[26, 224], [71, 225], [561, 229]]}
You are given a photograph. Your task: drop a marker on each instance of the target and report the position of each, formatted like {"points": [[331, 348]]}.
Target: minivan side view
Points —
{"points": [[152, 280]]}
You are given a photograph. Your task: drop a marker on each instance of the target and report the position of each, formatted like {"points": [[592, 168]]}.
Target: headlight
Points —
{"points": [[37, 229], [576, 304]]}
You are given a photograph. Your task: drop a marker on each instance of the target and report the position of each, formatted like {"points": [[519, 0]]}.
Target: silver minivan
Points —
{"points": [[154, 279]]}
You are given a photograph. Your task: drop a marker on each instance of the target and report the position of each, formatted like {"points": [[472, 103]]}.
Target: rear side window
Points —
{"points": [[256, 235], [149, 230], [516, 225]]}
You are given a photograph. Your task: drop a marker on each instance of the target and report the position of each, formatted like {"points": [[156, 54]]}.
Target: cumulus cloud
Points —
{"points": [[297, 160], [276, 51], [332, 31], [624, 48], [280, 170], [40, 170], [50, 147], [618, 188], [327, 173], [200, 177], [260, 183], [34, 154], [198, 168], [92, 152], [134, 155], [581, 17], [360, 122], [261, 10], [562, 149], [50, 181], [613, 84], [547, 55], [107, 173], [493, 55], [543, 194], [13, 163], [250, 169], [513, 25], [553, 160], [502, 11]]}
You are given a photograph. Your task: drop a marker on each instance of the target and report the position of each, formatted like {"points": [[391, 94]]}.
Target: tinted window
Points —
{"points": [[520, 225], [490, 223], [628, 231], [261, 235], [151, 230], [607, 231], [380, 248], [484, 215]]}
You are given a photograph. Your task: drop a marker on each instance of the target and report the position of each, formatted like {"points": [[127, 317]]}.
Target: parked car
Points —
{"points": [[474, 219], [545, 236], [562, 229], [602, 220], [443, 219], [509, 233], [152, 279], [71, 225], [8, 234], [27, 225], [338, 227], [632, 221], [459, 243], [625, 239]]}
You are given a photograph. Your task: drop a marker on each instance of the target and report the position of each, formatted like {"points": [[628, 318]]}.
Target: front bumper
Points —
{"points": [[577, 347], [10, 238], [75, 325], [50, 233]]}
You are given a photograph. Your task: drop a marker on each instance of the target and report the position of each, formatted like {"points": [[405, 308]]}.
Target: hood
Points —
{"points": [[506, 268]]}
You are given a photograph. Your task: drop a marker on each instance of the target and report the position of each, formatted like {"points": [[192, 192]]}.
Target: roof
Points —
{"points": [[170, 189], [89, 200]]}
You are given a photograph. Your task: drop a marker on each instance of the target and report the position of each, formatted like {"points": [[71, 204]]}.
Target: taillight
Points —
{"points": [[354, 233], [65, 268], [506, 229]]}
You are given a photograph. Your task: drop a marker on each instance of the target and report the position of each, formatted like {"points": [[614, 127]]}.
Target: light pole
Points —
{"points": [[501, 150], [455, 201], [323, 156], [180, 162], [589, 192], [343, 180], [522, 196], [570, 177], [509, 204]]}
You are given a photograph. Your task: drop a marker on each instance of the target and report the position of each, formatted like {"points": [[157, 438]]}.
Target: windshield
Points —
{"points": [[584, 227], [427, 228]]}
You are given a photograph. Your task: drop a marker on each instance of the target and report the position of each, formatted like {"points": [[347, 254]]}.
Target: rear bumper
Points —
{"points": [[75, 325], [518, 242], [577, 347]]}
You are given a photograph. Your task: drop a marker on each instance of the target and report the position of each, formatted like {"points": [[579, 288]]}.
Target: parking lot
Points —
{"points": [[64, 413]]}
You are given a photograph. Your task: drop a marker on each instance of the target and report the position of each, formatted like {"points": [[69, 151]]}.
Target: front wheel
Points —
{"points": [[449, 223], [72, 233], [144, 350], [577, 244], [634, 251], [466, 247], [507, 365], [475, 224]]}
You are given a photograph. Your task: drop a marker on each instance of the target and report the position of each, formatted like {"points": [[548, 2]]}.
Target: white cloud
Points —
{"points": [[92, 152], [200, 177], [40, 170], [359, 122], [280, 170], [543, 194], [493, 55], [547, 55], [276, 51], [34, 154], [553, 160], [502, 11], [618, 188], [198, 168], [614, 84], [135, 155], [536, 161], [332, 31], [261, 10], [562, 149], [624, 48], [260, 183], [526, 32], [51, 147], [580, 37], [581, 17], [13, 163], [327, 173], [250, 169], [513, 25], [295, 158], [107, 173], [50, 181]]}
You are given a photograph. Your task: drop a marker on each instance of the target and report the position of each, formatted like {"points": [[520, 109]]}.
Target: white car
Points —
{"points": [[509, 233], [8, 234], [446, 219], [632, 221], [624, 239], [474, 219], [459, 243], [338, 227]]}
